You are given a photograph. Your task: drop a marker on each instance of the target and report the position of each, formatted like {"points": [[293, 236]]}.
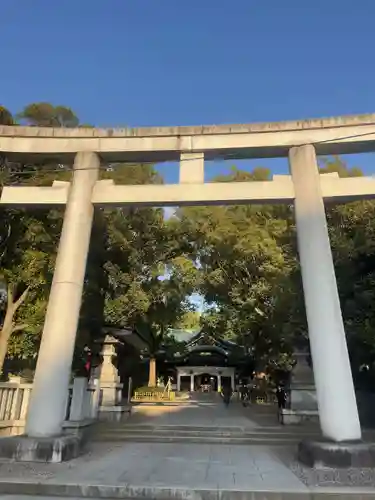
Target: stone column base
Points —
{"points": [[323, 453], [50, 449], [295, 417], [114, 413]]}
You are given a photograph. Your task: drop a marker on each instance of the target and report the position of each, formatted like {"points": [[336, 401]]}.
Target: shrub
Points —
{"points": [[143, 389]]}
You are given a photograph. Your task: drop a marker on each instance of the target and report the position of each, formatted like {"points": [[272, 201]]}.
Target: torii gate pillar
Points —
{"points": [[338, 411], [51, 384]]}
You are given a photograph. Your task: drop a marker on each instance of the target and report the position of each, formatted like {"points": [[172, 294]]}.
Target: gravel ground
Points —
{"points": [[334, 477], [326, 477], [31, 471]]}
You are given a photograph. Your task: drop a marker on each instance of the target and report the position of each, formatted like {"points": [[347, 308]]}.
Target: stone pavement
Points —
{"points": [[164, 471], [203, 467], [170, 471], [204, 410]]}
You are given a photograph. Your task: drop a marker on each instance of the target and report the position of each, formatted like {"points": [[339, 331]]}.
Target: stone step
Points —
{"points": [[199, 434], [232, 440], [188, 430], [206, 435], [205, 429], [236, 435], [193, 433], [28, 490], [129, 425]]}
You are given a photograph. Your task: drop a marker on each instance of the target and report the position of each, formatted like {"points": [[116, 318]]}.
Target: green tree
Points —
{"points": [[44, 114], [6, 117], [8, 170], [111, 229], [26, 264], [352, 235], [148, 285], [246, 256], [336, 165], [352, 232], [252, 278], [190, 320], [28, 244], [149, 278]]}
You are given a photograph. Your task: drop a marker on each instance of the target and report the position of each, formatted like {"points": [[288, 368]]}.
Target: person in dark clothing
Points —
{"points": [[242, 390], [281, 397], [244, 394], [227, 394]]}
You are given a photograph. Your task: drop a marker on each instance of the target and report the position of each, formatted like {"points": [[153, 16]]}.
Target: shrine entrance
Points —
{"points": [[205, 363], [205, 378], [206, 383]]}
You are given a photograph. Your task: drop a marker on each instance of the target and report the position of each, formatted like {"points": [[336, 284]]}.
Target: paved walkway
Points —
{"points": [[203, 410], [166, 470], [143, 465]]}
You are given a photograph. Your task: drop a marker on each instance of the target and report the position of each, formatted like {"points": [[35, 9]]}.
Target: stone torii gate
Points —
{"points": [[299, 141]]}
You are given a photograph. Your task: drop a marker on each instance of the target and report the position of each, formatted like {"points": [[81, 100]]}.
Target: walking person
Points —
{"points": [[244, 394], [281, 400], [227, 394]]}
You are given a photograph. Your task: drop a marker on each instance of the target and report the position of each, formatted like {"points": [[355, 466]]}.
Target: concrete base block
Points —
{"points": [[143, 492], [17, 427], [53, 449], [303, 398], [82, 429], [295, 417], [114, 413], [324, 453]]}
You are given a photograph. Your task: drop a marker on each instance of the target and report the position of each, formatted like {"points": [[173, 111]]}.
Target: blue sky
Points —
{"points": [[169, 62]]}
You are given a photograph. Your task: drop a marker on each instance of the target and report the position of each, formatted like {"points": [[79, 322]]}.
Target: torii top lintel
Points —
{"points": [[329, 136], [338, 135]]}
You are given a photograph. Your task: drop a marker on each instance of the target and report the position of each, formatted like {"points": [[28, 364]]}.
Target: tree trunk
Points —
{"points": [[8, 326], [152, 373], [6, 332]]}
